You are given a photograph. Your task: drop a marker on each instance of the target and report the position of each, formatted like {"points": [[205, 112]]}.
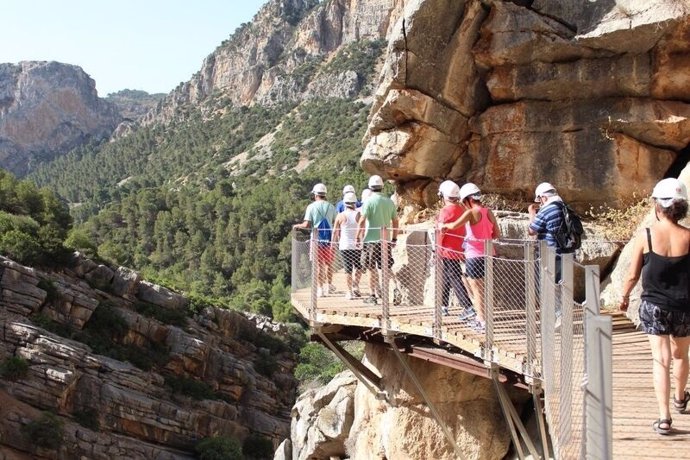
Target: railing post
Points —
{"points": [[489, 297], [530, 309], [547, 267], [599, 392], [438, 286], [567, 348], [314, 257], [385, 275]]}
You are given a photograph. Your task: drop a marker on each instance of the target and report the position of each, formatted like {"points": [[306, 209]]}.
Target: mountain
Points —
{"points": [[134, 104], [47, 109]]}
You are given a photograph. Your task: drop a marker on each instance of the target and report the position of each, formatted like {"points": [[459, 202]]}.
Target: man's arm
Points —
{"points": [[537, 224], [336, 230]]}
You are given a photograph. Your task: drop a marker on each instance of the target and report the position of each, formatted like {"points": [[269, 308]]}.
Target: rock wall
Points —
{"points": [[591, 96], [46, 109], [276, 57], [345, 420], [138, 409]]}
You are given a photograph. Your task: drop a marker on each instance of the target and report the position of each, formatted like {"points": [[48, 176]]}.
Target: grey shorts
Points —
{"points": [[371, 256], [659, 321]]}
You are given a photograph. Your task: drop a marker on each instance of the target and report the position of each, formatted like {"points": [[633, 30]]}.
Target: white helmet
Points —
{"points": [[319, 189], [347, 189], [544, 189], [350, 198], [375, 182], [366, 193], [469, 189], [668, 191], [449, 189]]}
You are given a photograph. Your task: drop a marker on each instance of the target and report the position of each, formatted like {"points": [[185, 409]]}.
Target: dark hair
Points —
{"points": [[677, 211]]}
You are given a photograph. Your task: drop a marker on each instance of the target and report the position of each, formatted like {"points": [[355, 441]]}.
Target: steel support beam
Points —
{"points": [[363, 373], [432, 408], [513, 419]]}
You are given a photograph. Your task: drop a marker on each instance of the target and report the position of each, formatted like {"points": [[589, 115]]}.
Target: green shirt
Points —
{"points": [[319, 210], [379, 211]]}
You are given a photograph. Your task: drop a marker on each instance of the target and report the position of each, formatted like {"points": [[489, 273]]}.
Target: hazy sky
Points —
{"points": [[151, 45]]}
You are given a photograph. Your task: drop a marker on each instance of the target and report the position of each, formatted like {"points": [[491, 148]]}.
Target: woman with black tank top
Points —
{"points": [[661, 255]]}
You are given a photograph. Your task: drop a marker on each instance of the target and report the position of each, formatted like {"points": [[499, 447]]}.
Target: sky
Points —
{"points": [[149, 45]]}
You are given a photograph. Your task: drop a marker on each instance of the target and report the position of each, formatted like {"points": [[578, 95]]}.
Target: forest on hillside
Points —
{"points": [[171, 202]]}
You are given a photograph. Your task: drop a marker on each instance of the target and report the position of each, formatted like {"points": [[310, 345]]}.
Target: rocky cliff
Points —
{"points": [[97, 363], [345, 420], [46, 109], [591, 96], [283, 55]]}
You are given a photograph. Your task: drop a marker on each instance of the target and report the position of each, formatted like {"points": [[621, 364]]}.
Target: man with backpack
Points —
{"points": [[553, 221], [320, 214]]}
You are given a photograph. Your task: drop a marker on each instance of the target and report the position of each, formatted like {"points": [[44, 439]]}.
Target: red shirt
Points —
{"points": [[450, 243]]}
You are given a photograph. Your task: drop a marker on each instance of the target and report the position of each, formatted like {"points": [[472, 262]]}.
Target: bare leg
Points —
{"points": [[679, 351], [477, 292], [373, 280], [661, 355]]}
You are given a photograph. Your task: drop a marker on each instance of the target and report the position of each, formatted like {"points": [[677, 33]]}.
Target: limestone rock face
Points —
{"points": [[401, 427], [588, 96], [48, 108], [140, 411], [276, 58]]}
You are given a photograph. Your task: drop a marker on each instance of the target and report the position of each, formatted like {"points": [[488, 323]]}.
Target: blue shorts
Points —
{"points": [[660, 321], [475, 267]]}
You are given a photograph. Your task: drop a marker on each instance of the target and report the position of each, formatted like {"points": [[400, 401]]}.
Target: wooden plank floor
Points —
{"points": [[634, 403]]}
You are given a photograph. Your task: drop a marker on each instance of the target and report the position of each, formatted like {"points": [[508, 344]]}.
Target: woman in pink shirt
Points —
{"points": [[480, 225]]}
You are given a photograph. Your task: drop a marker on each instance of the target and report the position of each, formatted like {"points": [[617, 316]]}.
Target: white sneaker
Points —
{"points": [[319, 292], [348, 296], [325, 291]]}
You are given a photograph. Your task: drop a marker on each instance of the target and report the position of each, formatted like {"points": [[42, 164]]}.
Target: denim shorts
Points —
{"points": [[475, 267], [659, 321]]}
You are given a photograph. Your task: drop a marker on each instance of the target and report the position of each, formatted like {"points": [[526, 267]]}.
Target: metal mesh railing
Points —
{"points": [[525, 309]]}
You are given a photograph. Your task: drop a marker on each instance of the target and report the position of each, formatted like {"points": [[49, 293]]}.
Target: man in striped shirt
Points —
{"points": [[546, 217]]}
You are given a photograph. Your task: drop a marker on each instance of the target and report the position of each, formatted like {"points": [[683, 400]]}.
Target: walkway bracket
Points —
{"points": [[513, 419], [363, 373], [390, 339]]}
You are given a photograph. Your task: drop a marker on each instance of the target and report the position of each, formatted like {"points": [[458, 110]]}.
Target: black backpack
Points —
{"points": [[569, 235]]}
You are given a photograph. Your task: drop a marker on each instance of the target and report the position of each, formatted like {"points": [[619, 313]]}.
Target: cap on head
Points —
{"points": [[366, 193], [347, 189], [469, 189], [544, 189], [449, 189], [319, 190], [350, 198], [668, 191], [375, 182]]}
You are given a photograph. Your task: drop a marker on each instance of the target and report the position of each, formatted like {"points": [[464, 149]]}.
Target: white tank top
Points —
{"points": [[348, 230]]}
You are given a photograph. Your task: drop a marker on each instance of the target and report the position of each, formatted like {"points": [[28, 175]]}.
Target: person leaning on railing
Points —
{"points": [[661, 255], [480, 225], [321, 213], [450, 251]]}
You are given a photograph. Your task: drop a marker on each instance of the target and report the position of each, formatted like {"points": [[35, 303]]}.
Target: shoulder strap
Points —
{"points": [[649, 238]]}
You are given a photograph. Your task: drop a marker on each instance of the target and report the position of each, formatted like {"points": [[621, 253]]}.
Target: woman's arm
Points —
{"points": [[462, 220], [634, 271], [496, 233]]}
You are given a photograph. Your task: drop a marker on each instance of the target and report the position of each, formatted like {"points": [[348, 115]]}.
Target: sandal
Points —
{"points": [[681, 405], [662, 426]]}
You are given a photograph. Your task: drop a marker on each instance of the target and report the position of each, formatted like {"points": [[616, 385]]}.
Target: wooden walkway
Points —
{"points": [[634, 403]]}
